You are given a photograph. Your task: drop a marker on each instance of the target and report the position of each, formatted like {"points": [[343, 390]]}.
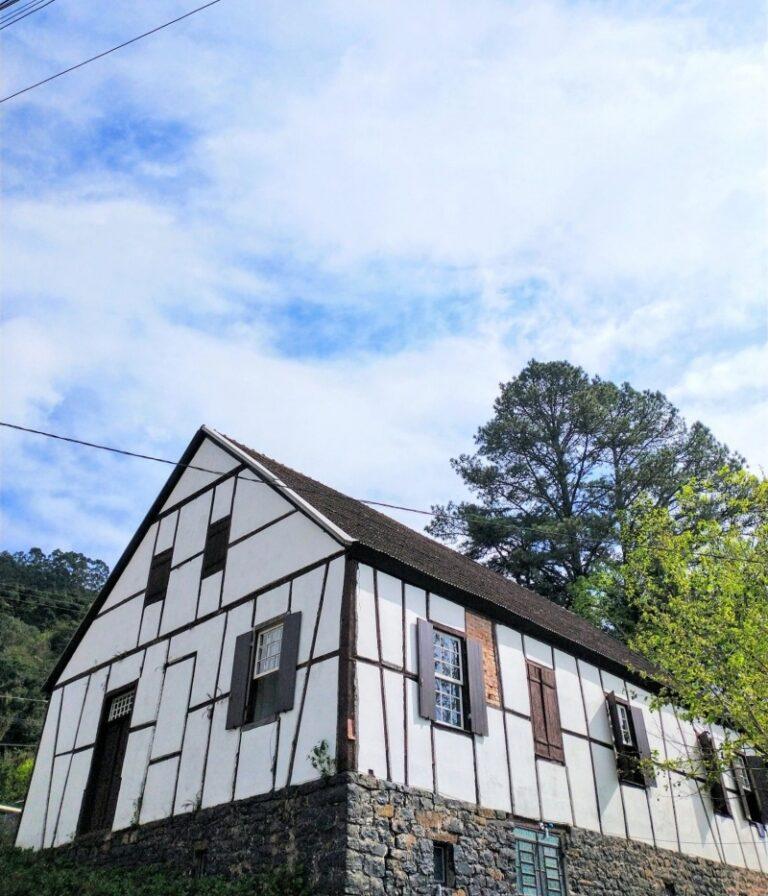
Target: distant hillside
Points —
{"points": [[43, 597]]}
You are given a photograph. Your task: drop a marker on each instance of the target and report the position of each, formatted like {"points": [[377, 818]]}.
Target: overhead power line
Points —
{"points": [[101, 55], [18, 15]]}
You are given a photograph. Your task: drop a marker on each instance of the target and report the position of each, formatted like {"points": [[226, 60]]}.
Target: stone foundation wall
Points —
{"points": [[359, 836]]}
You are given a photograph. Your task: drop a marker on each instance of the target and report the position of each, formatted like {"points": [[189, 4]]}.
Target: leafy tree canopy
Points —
{"points": [[562, 456]]}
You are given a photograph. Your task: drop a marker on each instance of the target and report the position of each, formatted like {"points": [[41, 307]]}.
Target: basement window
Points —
{"points": [[539, 863], [443, 874]]}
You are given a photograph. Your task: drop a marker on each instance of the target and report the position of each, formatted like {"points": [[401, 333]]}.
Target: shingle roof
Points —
{"points": [[382, 534]]}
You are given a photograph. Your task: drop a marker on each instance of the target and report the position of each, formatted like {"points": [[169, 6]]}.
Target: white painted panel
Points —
{"points": [[150, 623], [492, 764], [291, 544], [305, 598], [134, 577], [419, 741], [579, 763], [204, 641], [522, 767], [210, 593], [150, 684], [673, 742], [393, 701], [172, 714], [158, 792], [514, 678], [637, 814], [77, 779], [754, 847], [594, 702], [255, 763], [555, 800], [696, 836], [537, 651], [132, 783], [256, 504], [108, 636], [608, 791], [125, 671], [367, 642], [318, 721], [728, 835], [222, 499], [272, 603], [58, 780], [167, 532], [208, 456], [71, 709], [288, 722], [330, 617], [454, 765], [238, 622], [415, 609], [371, 755], [31, 826], [662, 812], [189, 792], [181, 597], [446, 612], [613, 683], [222, 754], [569, 693], [94, 701], [390, 592], [193, 528]]}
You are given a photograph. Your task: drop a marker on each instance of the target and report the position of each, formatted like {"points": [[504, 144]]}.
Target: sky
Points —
{"points": [[331, 229]]}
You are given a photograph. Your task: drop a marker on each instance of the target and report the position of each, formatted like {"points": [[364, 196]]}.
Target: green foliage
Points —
{"points": [[25, 872], [321, 760], [15, 772], [562, 457]]}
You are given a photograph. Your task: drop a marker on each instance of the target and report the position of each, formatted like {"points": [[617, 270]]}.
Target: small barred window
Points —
{"points": [[122, 705]]}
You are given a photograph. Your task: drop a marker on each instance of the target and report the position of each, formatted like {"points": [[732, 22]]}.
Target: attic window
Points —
{"points": [[216, 543], [159, 574]]}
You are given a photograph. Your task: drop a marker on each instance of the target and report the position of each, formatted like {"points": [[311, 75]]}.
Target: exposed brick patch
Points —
{"points": [[481, 629]]}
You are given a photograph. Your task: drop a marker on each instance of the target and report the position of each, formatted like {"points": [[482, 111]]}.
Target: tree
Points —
{"points": [[561, 458]]}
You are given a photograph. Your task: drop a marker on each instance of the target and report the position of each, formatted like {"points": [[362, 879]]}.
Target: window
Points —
{"points": [[625, 727], [633, 751], [264, 671], [539, 864], [669, 889], [443, 875], [712, 769], [545, 713], [449, 680], [216, 542], [159, 574], [751, 775], [741, 774]]}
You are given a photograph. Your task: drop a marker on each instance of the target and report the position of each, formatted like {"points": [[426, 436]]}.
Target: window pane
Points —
{"points": [[268, 651], [626, 730], [447, 656], [265, 697], [448, 703]]}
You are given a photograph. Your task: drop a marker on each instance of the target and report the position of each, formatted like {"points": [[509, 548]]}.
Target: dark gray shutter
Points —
{"points": [[159, 574], [241, 680], [717, 791], [289, 656], [613, 714], [478, 712], [426, 642], [743, 796], [643, 746], [758, 775]]}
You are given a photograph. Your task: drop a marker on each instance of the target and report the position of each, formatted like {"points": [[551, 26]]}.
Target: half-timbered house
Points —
{"points": [[277, 673]]}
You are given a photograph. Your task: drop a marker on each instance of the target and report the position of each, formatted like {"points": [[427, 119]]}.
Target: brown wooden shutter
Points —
{"points": [[545, 713], [613, 714], [241, 680], [426, 644], [552, 715], [289, 655], [643, 746], [717, 791], [758, 775], [478, 711], [216, 543], [159, 574]]}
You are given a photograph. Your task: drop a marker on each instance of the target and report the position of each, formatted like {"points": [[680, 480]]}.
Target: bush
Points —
{"points": [[23, 873]]}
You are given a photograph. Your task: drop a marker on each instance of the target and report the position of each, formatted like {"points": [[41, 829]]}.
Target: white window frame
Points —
{"points": [[439, 633], [259, 641], [741, 773], [625, 726]]}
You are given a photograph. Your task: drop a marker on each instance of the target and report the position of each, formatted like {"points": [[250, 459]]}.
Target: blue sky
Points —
{"points": [[332, 229]]}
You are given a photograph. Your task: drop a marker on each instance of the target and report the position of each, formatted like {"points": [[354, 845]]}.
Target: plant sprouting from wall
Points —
{"points": [[322, 761]]}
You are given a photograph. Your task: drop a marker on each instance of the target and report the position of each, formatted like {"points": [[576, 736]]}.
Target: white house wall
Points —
{"points": [[500, 770], [179, 652]]}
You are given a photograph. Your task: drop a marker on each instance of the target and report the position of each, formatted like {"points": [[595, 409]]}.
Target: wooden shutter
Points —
{"points": [[478, 711], [426, 642], [216, 543], [545, 713], [159, 573], [289, 655], [758, 775], [744, 797], [717, 791], [643, 746], [241, 680]]}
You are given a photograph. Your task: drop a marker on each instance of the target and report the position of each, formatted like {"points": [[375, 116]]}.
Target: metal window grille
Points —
{"points": [[120, 706], [539, 864], [449, 680], [268, 650]]}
